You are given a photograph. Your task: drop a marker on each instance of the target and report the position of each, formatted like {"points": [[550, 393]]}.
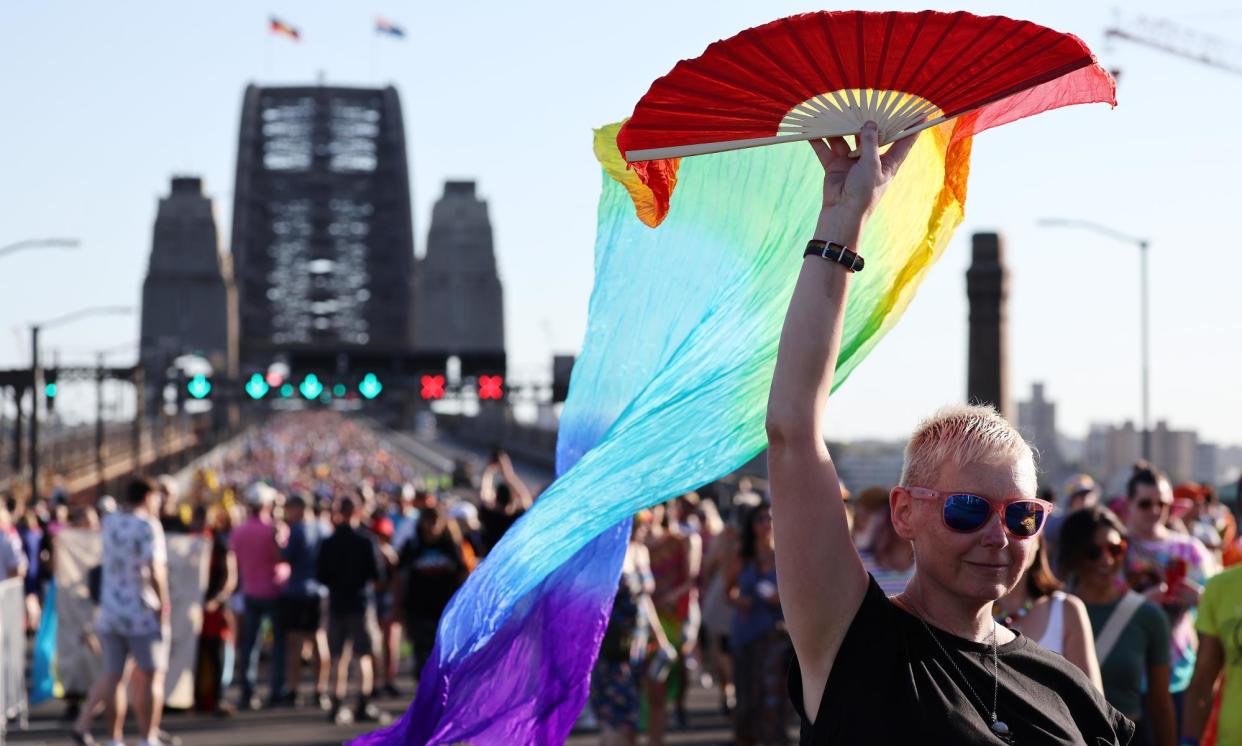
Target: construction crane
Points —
{"points": [[1182, 42]]}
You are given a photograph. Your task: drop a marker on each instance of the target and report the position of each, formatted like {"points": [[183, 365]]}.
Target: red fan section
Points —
{"points": [[742, 87]]}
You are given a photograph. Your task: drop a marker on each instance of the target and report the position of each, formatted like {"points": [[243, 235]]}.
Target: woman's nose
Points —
{"points": [[994, 532]]}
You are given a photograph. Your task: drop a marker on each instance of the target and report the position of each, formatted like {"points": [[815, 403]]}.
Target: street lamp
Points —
{"points": [[1143, 244], [36, 374], [40, 243]]}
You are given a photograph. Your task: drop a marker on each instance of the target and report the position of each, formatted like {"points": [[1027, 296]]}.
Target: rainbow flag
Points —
{"points": [[280, 28], [670, 393], [385, 26]]}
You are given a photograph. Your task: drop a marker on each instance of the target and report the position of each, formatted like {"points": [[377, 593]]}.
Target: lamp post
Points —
{"points": [[1143, 244], [40, 243], [36, 376]]}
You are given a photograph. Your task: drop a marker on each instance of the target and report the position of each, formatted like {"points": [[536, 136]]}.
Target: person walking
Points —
{"points": [[1220, 657], [949, 673], [760, 643], [348, 566], [1039, 608], [215, 640], [300, 601], [432, 568], [1170, 567], [259, 566], [616, 678], [134, 610], [1131, 633]]}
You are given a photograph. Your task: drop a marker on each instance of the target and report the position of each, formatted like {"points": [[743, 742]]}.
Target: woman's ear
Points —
{"points": [[901, 506]]}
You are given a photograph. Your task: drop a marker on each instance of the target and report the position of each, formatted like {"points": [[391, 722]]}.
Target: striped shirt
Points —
{"points": [[891, 582]]}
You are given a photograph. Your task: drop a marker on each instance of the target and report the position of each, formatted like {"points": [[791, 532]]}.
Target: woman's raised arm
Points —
{"points": [[821, 579]]}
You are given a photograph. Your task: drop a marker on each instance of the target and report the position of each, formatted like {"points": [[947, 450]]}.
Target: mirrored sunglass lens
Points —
{"points": [[965, 512], [1024, 518]]}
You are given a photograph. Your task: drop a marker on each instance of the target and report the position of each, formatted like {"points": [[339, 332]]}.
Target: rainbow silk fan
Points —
{"points": [[826, 73]]}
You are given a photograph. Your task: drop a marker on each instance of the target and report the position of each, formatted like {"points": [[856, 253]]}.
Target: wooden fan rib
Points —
{"points": [[723, 146], [696, 113], [914, 115], [916, 106]]}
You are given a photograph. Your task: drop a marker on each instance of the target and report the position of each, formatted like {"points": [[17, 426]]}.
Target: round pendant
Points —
{"points": [[1000, 729]]}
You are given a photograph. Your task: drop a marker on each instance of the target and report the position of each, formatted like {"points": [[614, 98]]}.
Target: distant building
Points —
{"points": [[1037, 421], [459, 299], [1207, 467], [862, 464], [188, 306], [1112, 451], [1175, 451]]}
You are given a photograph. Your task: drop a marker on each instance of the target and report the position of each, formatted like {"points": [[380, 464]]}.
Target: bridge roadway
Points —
{"points": [[307, 727]]}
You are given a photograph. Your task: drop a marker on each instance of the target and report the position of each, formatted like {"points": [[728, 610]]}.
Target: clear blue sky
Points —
{"points": [[105, 101]]}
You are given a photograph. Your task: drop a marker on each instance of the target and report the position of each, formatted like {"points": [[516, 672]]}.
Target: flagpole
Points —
{"points": [[267, 58]]}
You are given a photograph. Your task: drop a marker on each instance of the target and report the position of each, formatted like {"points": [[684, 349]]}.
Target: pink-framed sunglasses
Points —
{"points": [[966, 513]]}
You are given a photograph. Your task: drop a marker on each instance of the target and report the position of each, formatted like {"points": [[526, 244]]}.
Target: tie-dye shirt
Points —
{"points": [[1152, 561]]}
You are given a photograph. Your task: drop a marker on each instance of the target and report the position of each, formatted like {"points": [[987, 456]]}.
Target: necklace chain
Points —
{"points": [[995, 667]]}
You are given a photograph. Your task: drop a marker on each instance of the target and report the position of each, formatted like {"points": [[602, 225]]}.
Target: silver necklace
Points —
{"points": [[998, 726]]}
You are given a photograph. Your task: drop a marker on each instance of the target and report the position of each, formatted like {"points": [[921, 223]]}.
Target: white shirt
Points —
{"points": [[12, 559], [128, 601]]}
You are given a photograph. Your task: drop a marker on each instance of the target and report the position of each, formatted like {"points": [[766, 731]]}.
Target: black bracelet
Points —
{"points": [[836, 252]]}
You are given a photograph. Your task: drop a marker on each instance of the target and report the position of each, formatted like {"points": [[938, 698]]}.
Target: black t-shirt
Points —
{"points": [[496, 523], [348, 564], [433, 574], [891, 683]]}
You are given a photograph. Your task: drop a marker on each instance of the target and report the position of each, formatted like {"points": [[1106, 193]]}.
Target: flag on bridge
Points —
{"points": [[385, 26], [280, 28]]}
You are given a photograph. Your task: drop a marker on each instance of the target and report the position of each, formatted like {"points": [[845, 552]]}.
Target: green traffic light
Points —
{"points": [[198, 387], [256, 387], [49, 390], [311, 388], [286, 391], [370, 387], [338, 390]]}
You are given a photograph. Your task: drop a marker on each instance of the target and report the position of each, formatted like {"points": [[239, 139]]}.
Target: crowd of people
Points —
{"points": [[699, 592], [330, 556], [327, 549]]}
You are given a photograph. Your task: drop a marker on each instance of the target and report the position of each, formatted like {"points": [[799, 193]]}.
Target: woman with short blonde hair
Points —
{"points": [[947, 672]]}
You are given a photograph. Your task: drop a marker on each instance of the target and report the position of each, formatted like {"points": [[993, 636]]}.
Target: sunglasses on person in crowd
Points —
{"points": [[1147, 504], [966, 513], [1115, 549]]}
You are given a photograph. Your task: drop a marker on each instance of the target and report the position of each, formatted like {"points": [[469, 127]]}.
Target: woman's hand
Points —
{"points": [[855, 185]]}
